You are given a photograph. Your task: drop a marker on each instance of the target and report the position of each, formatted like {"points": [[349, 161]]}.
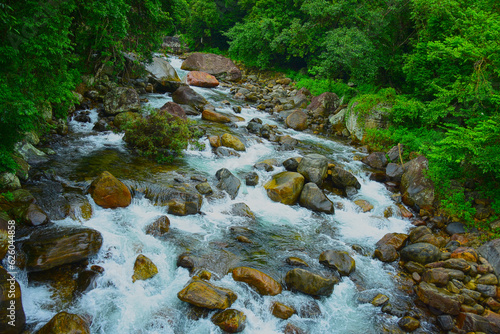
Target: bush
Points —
{"points": [[159, 136]]}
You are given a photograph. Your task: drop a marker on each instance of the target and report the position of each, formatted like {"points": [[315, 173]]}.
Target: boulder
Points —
{"points": [[338, 260], [470, 322], [376, 160], [204, 188], [9, 181], [397, 240], [491, 252], [144, 268], [314, 167], [30, 154], [263, 283], [437, 276], [466, 253], [242, 210], [108, 192], [203, 294], [418, 233], [309, 283], [163, 76], [214, 141], [386, 253], [228, 182], [408, 324], [252, 179], [422, 253], [285, 187], [417, 189], [185, 95], [12, 317], [54, 246], [439, 298], [364, 205], [159, 227], [181, 200], [233, 142], [343, 179], [216, 65], [230, 321], [65, 323], [174, 109], [313, 198], [394, 172], [35, 216], [292, 329], [201, 79], [297, 120], [337, 121], [282, 311], [121, 99], [359, 121], [213, 116], [323, 105], [291, 164]]}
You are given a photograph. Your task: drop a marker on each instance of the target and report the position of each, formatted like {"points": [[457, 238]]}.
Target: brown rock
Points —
{"points": [[296, 262], [285, 187], [338, 260], [65, 323], [297, 120], [214, 141], [282, 311], [219, 66], [174, 109], [397, 240], [214, 116], [470, 322], [108, 192], [201, 79], [409, 324], [144, 268], [364, 205], [230, 321], [309, 283], [159, 227], [439, 298], [438, 276], [292, 329], [203, 294], [233, 142], [12, 318], [466, 253], [264, 284]]}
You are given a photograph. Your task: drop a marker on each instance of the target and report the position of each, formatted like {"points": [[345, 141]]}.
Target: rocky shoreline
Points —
{"points": [[443, 268]]}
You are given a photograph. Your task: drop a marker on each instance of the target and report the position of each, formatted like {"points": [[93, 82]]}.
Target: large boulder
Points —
{"points": [[228, 182], [214, 116], [230, 321], [421, 252], [174, 109], [285, 187], [338, 260], [376, 160], [491, 252], [323, 105], [233, 142], [109, 192], [439, 298], [297, 120], [417, 189], [12, 317], [358, 121], [309, 283], [121, 99], [263, 283], [218, 66], [313, 198], [203, 294], [201, 79], [65, 323], [144, 268], [337, 121], [9, 181], [343, 179], [163, 75], [314, 167], [187, 96], [181, 200], [54, 246]]}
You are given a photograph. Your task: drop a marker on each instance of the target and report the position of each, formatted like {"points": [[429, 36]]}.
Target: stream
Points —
{"points": [[278, 231]]}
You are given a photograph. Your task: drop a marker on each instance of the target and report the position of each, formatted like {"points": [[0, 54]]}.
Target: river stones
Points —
{"points": [[228, 182], [263, 283], [233, 142], [417, 189], [203, 294], [296, 262], [79, 206], [292, 329], [394, 172], [230, 321], [314, 168], [297, 120], [201, 79], [313, 198], [397, 240], [491, 252], [54, 246], [309, 283], [12, 317], [343, 179], [439, 298], [185, 95], [422, 253], [338, 260], [282, 311], [466, 253], [323, 105], [252, 179], [386, 253], [221, 67], [63, 323], [285, 187], [291, 164], [144, 268], [213, 116], [35, 216], [159, 227], [109, 192], [408, 324], [121, 99], [242, 210], [364, 205], [181, 200], [376, 160], [163, 75], [174, 110]]}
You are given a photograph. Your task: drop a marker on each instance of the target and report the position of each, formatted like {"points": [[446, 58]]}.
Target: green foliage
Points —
{"points": [[7, 196], [159, 136]]}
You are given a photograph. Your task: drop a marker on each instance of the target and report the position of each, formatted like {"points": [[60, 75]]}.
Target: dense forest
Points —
{"points": [[436, 62]]}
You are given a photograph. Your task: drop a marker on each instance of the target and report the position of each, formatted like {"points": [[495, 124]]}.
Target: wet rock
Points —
{"points": [[310, 310], [213, 116], [163, 76], [263, 283], [12, 317], [470, 322], [201, 79], [214, 141], [445, 322], [186, 260], [123, 118], [282, 311], [376, 160], [314, 168], [264, 166], [409, 324], [487, 290], [285, 187], [418, 233], [292, 329], [309, 283], [488, 279], [252, 179], [439, 298], [338, 260], [313, 198], [144, 268], [242, 210], [230, 321], [54, 246], [291, 164], [364, 205], [343, 179], [35, 216], [203, 294], [416, 187], [204, 188], [394, 172], [379, 300], [297, 120], [220, 67], [466, 253], [174, 110], [159, 227], [422, 253], [233, 142], [121, 99], [242, 238], [437, 276], [226, 152], [397, 240], [455, 228], [63, 323], [30, 154], [386, 253], [101, 125], [108, 192], [187, 96], [296, 262], [491, 252], [323, 105], [228, 182]]}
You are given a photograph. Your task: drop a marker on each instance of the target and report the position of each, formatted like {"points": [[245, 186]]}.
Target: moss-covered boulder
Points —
{"points": [[144, 268], [309, 283], [285, 187], [228, 140]]}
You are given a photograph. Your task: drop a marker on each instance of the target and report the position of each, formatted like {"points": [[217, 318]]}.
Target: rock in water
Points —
{"points": [[421, 253], [65, 323], [203, 294], [228, 182], [121, 99], [233, 142], [218, 66], [338, 260], [285, 187], [282, 311], [309, 283], [314, 167], [263, 283], [12, 317], [144, 268], [201, 79], [297, 120], [165, 78], [108, 192], [313, 198], [230, 321], [187, 96]]}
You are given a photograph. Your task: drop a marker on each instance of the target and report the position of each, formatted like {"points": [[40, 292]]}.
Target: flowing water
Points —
{"points": [[116, 305]]}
